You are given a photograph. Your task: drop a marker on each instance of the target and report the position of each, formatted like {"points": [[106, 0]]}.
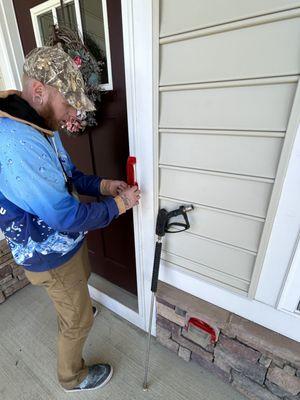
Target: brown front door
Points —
{"points": [[104, 149]]}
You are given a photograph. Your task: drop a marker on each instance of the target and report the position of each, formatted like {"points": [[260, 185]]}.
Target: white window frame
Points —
{"points": [[51, 5]]}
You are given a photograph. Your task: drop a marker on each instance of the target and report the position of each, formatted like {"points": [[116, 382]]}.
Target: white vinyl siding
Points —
{"points": [[250, 52], [223, 191], [222, 226], [179, 16], [193, 150], [2, 85], [227, 81], [247, 107]]}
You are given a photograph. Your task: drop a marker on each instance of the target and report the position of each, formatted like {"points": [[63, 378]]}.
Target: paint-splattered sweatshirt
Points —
{"points": [[44, 224]]}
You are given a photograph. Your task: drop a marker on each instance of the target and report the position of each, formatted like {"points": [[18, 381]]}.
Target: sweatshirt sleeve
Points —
{"points": [[32, 178], [85, 184]]}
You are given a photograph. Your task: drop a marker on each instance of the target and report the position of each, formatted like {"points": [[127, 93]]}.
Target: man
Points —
{"points": [[42, 218]]}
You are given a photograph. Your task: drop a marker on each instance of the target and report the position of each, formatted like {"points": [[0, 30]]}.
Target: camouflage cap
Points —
{"points": [[54, 67]]}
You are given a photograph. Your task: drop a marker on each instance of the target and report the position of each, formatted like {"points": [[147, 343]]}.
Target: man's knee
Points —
{"points": [[77, 326]]}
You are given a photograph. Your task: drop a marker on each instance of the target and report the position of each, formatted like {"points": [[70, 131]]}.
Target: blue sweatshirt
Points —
{"points": [[43, 223]]}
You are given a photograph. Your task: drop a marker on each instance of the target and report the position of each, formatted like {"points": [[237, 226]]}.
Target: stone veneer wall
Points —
{"points": [[12, 276], [258, 362]]}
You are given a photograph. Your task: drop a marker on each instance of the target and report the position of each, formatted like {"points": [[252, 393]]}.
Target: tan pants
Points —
{"points": [[67, 287]]}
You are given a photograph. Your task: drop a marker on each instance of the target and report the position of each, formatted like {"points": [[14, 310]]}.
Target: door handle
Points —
{"points": [[130, 170]]}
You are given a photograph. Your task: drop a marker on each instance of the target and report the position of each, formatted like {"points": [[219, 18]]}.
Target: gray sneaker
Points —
{"points": [[98, 376]]}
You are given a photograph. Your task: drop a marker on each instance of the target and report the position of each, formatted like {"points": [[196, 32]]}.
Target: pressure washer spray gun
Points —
{"points": [[163, 226]]}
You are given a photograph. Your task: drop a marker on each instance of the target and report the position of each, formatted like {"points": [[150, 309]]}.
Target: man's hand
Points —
{"points": [[110, 187], [130, 196]]}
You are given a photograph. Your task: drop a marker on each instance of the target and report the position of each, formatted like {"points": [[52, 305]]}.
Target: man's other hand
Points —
{"points": [[110, 187]]}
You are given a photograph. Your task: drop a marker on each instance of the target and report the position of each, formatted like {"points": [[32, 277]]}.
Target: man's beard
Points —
{"points": [[48, 116], [55, 125], [72, 134]]}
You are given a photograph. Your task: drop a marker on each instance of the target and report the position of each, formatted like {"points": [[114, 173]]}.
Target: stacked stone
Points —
{"points": [[260, 363], [12, 276]]}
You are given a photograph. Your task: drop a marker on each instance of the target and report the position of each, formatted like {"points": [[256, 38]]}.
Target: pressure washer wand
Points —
{"points": [[162, 226]]}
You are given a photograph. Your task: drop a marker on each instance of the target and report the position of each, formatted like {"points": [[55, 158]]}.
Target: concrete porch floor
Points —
{"points": [[28, 358]]}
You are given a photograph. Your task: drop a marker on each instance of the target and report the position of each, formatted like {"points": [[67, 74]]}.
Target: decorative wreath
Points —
{"points": [[92, 63]]}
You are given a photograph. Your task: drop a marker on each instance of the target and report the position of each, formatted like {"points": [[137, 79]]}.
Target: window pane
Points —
{"points": [[46, 25], [93, 30], [69, 14]]}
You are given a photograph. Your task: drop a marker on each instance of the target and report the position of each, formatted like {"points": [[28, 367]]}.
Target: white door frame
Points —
{"points": [[137, 39], [11, 50]]}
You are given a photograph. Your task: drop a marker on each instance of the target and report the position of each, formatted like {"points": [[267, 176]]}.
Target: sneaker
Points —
{"points": [[95, 311], [98, 376]]}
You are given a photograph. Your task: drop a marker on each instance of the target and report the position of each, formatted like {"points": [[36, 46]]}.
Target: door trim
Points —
{"points": [[137, 40], [11, 50]]}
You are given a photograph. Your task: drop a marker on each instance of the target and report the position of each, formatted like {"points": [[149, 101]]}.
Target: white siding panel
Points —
{"points": [[248, 155], [231, 55], [229, 228], [204, 272], [217, 256], [2, 86], [180, 16], [264, 107], [221, 191]]}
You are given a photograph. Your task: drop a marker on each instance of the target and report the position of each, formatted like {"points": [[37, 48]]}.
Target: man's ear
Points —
{"points": [[39, 92], [37, 88]]}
